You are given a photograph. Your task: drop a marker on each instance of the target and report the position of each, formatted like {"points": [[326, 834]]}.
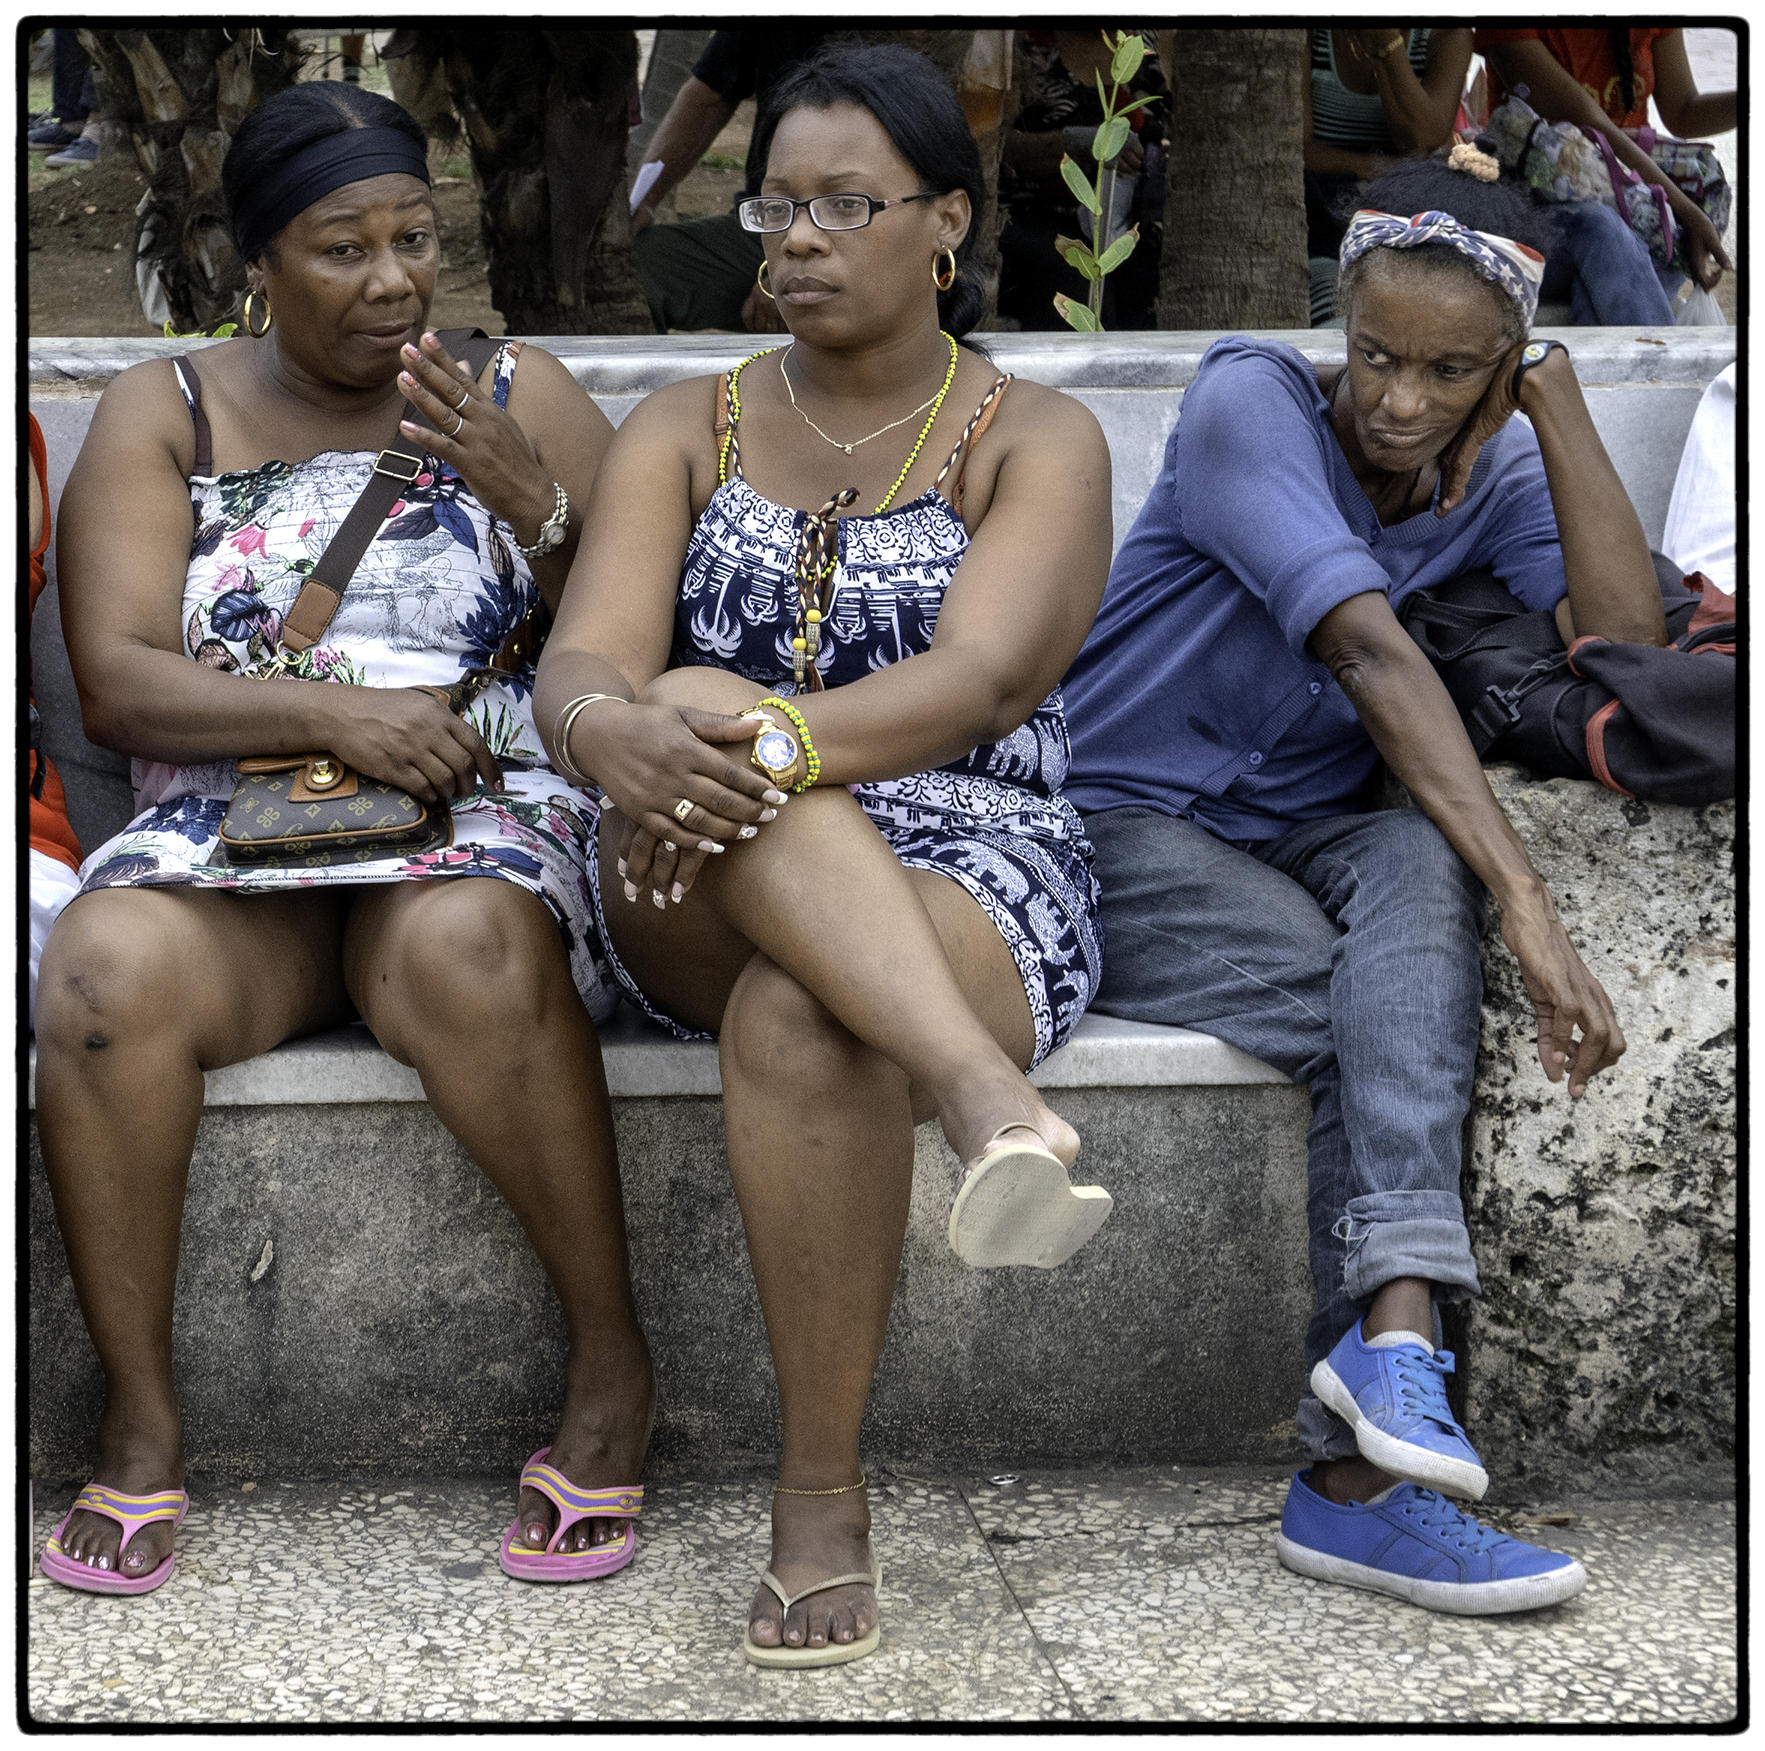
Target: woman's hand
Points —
{"points": [[476, 438], [405, 737], [1488, 417], [1564, 996], [648, 759], [1703, 243]]}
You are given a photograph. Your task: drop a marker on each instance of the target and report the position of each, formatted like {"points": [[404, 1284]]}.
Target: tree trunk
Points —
{"points": [[1234, 217], [178, 96], [546, 114]]}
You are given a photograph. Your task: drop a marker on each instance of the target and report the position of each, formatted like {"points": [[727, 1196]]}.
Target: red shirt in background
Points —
{"points": [[1586, 55], [51, 831]]}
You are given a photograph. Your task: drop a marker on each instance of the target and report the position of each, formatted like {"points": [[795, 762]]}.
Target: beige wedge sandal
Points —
{"points": [[1016, 1205]]}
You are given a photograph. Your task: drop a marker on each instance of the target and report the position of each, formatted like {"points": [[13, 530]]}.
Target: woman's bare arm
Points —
{"points": [[1420, 112], [1688, 112]]}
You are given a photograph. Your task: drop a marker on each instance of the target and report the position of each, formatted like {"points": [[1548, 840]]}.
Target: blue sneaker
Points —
{"points": [[82, 152], [50, 136], [1392, 1393], [1416, 1545]]}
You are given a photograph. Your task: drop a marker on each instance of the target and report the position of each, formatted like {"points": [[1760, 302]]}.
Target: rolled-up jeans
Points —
{"points": [[1345, 953]]}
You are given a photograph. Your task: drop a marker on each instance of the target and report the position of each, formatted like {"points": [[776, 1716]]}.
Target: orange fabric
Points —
{"points": [[51, 831], [1586, 55]]}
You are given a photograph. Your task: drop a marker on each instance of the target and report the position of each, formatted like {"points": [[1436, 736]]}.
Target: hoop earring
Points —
{"points": [[944, 281], [760, 280], [269, 315]]}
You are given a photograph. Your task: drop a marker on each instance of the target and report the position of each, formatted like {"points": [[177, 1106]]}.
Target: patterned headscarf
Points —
{"points": [[1513, 267]]}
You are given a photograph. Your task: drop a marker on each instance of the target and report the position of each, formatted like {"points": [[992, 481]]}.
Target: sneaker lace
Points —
{"points": [[1436, 1512], [1421, 1383]]}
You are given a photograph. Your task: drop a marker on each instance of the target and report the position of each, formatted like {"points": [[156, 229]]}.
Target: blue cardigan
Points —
{"points": [[1196, 693]]}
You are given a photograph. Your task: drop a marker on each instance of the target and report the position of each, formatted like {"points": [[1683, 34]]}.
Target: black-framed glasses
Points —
{"points": [[768, 213]]}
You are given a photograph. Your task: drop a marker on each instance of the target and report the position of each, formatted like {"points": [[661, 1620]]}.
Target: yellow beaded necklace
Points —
{"points": [[817, 545]]}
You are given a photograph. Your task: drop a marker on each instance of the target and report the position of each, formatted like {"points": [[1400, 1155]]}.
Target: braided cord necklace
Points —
{"points": [[784, 372], [817, 557]]}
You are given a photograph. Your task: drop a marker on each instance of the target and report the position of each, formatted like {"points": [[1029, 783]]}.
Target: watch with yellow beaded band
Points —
{"points": [[774, 751], [813, 771]]}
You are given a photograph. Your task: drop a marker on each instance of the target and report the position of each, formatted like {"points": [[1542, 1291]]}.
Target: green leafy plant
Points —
{"points": [[220, 331], [1100, 260]]}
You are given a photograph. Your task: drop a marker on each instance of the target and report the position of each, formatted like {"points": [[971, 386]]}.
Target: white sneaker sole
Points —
{"points": [[1019, 1208], [1434, 1471], [1461, 1598]]}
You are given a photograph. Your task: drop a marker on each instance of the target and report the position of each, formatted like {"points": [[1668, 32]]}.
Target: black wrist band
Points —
{"points": [[1533, 353]]}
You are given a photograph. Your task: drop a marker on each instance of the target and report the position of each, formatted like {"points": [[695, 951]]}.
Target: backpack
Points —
{"points": [[1651, 722]]}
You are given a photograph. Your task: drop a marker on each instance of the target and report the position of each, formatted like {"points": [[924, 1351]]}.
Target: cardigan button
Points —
{"points": [[1256, 759]]}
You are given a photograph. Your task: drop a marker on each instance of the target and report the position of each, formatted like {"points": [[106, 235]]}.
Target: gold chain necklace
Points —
{"points": [[848, 448]]}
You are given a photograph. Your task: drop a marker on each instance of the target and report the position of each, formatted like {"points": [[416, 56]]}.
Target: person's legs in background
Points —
{"points": [[1604, 270], [698, 274], [72, 99]]}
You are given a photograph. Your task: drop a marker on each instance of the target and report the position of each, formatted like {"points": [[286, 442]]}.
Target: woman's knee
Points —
{"points": [[111, 967], [703, 689], [777, 1033], [470, 957]]}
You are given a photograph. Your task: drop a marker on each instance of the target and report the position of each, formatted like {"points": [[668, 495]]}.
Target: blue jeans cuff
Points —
{"points": [[1322, 1434], [1407, 1234]]}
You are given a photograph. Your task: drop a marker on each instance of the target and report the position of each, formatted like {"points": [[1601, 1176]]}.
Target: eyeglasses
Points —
{"points": [[767, 213]]}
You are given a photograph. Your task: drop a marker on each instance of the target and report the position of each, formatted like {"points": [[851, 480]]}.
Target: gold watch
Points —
{"points": [[775, 751]]}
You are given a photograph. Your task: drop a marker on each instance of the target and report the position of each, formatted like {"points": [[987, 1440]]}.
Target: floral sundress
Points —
{"points": [[438, 590]]}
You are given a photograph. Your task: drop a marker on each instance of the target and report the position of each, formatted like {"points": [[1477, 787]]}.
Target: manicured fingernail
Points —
{"points": [[749, 833], [408, 426], [630, 891], [622, 866], [429, 336], [406, 378], [711, 845], [656, 895], [410, 352], [677, 893], [773, 796], [769, 814]]}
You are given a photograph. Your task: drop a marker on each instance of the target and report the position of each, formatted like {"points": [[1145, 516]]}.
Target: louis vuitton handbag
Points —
{"points": [[315, 810]]}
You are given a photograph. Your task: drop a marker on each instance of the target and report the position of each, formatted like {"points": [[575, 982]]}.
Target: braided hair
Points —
{"points": [[1620, 40]]}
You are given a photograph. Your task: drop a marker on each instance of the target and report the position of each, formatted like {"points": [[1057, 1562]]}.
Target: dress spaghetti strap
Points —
{"points": [[191, 385]]}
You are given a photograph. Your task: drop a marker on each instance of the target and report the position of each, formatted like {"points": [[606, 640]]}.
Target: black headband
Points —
{"points": [[351, 155]]}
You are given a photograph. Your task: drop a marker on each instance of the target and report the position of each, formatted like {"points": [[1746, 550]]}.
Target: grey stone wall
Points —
{"points": [[1602, 1353]]}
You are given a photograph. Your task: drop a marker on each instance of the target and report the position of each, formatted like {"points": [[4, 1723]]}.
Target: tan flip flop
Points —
{"points": [[835, 1653], [1016, 1206]]}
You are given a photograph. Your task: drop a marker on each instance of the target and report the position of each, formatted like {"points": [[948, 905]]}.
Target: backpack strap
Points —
{"points": [[394, 469]]}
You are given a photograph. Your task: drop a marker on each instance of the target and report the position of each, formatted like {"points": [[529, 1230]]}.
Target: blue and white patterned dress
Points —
{"points": [[437, 592], [994, 821]]}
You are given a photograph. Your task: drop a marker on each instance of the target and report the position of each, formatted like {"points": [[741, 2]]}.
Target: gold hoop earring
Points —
{"points": [[946, 280], [760, 280], [269, 315]]}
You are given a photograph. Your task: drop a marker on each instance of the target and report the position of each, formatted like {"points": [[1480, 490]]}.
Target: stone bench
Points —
{"points": [[353, 1297]]}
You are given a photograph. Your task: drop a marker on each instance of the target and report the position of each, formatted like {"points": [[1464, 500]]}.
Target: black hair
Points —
{"points": [[297, 117], [919, 112], [1620, 40]]}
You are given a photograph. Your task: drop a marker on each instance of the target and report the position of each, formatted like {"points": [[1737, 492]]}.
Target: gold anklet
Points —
{"points": [[779, 1489]]}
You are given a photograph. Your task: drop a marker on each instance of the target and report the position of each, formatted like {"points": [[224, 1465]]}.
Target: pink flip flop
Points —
{"points": [[129, 1512], [525, 1563]]}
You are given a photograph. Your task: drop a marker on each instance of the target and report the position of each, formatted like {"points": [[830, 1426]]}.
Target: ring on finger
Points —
{"points": [[465, 396], [683, 808], [669, 845], [459, 424]]}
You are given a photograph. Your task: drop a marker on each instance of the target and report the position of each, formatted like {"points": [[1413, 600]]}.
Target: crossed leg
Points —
{"points": [[852, 997]]}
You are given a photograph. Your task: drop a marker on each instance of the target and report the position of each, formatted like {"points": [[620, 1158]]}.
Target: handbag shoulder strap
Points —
{"points": [[394, 469]]}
